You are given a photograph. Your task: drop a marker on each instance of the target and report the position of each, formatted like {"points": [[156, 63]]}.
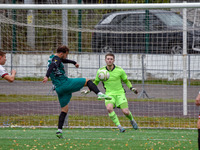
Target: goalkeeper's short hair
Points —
{"points": [[110, 54]]}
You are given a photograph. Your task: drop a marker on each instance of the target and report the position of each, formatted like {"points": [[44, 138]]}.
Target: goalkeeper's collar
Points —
{"points": [[112, 69]]}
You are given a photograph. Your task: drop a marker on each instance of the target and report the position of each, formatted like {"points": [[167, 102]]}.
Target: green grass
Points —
{"points": [[97, 139], [27, 98], [27, 79], [83, 120]]}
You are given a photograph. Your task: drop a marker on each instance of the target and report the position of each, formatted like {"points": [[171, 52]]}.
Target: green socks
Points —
{"points": [[130, 116], [114, 118]]}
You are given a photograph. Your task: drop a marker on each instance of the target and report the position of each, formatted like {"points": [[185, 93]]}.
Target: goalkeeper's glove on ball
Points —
{"points": [[134, 90], [85, 92]]}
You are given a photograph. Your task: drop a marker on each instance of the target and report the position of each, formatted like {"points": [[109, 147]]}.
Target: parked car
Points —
{"points": [[141, 31]]}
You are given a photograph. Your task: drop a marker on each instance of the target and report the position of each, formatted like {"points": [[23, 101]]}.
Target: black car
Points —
{"points": [[143, 31]]}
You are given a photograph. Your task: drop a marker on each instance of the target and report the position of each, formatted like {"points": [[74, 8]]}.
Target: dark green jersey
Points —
{"points": [[57, 74], [113, 85], [56, 69]]}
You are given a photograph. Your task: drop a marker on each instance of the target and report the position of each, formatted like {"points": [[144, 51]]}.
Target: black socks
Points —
{"points": [[92, 87], [61, 120]]}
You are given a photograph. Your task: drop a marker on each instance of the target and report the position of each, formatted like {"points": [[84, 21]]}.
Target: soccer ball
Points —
{"points": [[103, 75]]}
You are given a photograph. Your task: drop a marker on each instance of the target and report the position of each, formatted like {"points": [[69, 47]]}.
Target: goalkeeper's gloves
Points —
{"points": [[134, 90], [85, 92]]}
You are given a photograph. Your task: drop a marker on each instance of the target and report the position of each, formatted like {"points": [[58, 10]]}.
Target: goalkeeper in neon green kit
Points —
{"points": [[115, 90]]}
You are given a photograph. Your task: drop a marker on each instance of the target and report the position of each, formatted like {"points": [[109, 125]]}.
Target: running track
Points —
{"points": [[142, 108]]}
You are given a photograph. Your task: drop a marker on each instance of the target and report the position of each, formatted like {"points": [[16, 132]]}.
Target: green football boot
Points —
{"points": [[103, 96], [59, 135]]}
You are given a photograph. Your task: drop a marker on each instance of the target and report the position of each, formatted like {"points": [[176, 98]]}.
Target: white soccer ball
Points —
{"points": [[103, 75]]}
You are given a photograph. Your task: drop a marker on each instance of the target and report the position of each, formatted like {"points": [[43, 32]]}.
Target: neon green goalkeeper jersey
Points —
{"points": [[113, 85]]}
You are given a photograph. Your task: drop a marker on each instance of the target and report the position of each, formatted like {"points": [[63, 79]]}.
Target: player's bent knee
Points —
{"points": [[109, 107], [65, 109], [126, 111], [110, 110], [86, 81]]}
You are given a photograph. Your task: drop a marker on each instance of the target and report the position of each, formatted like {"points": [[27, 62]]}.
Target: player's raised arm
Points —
{"points": [[70, 62], [3, 73], [128, 83], [10, 78]]}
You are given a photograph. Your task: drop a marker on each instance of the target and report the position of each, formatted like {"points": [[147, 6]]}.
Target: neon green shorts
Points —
{"points": [[119, 101]]}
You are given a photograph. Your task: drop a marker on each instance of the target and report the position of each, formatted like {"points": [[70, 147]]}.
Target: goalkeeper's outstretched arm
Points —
{"points": [[128, 83]]}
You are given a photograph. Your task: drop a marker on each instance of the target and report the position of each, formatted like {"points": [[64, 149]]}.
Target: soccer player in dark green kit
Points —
{"points": [[115, 90], [65, 86]]}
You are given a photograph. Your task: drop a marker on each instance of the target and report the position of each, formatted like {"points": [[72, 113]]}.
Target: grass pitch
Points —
{"points": [[97, 139]]}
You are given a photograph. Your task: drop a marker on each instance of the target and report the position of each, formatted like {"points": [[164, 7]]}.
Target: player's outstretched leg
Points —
{"points": [[95, 89], [103, 96]]}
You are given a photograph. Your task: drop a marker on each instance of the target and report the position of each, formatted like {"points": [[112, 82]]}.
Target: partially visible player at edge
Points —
{"points": [[65, 86], [198, 122], [114, 89], [3, 73]]}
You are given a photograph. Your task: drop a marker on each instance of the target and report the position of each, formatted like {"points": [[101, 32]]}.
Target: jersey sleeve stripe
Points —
{"points": [[4, 75]]}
